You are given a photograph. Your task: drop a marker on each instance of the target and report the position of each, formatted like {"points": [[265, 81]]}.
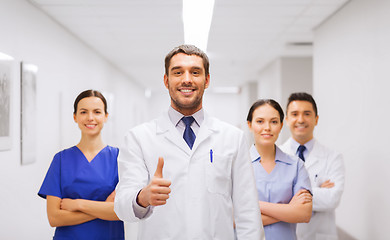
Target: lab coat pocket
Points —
{"points": [[218, 174], [319, 178]]}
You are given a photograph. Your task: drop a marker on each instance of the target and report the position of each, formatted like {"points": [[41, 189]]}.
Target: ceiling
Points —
{"points": [[245, 35]]}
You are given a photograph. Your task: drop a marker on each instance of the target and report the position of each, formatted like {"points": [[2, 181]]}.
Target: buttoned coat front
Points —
{"points": [[210, 183], [322, 164]]}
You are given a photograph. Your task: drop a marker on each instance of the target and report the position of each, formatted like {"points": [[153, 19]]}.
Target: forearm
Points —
{"points": [[98, 209], [58, 217], [267, 220], [326, 199], [67, 218], [291, 213]]}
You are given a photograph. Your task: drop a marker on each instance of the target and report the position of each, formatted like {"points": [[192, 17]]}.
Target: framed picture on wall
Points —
{"points": [[28, 94], [5, 101]]}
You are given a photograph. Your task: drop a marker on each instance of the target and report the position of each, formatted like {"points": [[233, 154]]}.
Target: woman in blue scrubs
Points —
{"points": [[282, 181], [80, 184]]}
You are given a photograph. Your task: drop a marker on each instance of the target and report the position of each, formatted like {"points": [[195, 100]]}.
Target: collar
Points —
{"points": [[309, 145], [280, 156], [255, 156], [176, 116]]}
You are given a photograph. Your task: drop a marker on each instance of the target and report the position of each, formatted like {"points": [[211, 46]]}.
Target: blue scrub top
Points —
{"points": [[286, 179], [71, 175]]}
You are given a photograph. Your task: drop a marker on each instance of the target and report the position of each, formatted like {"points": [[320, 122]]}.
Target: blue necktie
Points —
{"points": [[189, 135], [300, 151]]}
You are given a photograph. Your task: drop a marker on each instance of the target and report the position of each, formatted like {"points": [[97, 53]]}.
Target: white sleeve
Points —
{"points": [[245, 202], [325, 199], [133, 176]]}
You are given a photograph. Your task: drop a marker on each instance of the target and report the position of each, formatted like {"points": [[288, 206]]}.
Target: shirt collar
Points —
{"points": [[280, 156], [255, 156], [176, 116], [309, 145]]}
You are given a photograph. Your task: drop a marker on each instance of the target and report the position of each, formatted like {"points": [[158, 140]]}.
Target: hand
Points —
{"points": [[327, 184], [111, 197], [301, 197], [157, 191], [69, 204]]}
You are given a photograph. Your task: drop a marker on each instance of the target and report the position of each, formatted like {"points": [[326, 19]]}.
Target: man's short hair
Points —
{"points": [[189, 50], [302, 96]]}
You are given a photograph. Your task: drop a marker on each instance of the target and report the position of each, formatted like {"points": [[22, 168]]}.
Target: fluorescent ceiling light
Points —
{"points": [[5, 57], [197, 16]]}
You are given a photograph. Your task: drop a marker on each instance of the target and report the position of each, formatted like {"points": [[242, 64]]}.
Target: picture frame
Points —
{"points": [[28, 116], [5, 101]]}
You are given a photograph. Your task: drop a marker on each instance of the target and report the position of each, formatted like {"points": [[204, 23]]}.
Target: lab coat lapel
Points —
{"points": [[168, 130], [205, 131], [314, 156]]}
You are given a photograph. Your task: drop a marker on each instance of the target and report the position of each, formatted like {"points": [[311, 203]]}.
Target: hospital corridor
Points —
{"points": [[337, 51]]}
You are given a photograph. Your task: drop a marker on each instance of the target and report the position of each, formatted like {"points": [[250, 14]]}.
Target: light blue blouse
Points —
{"points": [[279, 186]]}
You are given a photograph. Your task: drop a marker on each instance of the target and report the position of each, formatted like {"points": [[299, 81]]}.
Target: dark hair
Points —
{"points": [[89, 93], [302, 96], [189, 50], [260, 103]]}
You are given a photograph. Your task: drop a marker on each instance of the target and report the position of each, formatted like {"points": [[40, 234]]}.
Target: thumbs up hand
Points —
{"points": [[158, 173], [157, 191]]}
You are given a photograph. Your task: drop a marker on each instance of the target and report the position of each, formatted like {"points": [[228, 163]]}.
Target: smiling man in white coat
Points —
{"points": [[187, 175], [325, 168]]}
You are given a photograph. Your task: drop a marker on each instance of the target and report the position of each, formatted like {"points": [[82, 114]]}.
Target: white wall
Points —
{"points": [[282, 77], [351, 86], [224, 106], [159, 103], [66, 67], [297, 76], [270, 81], [248, 96]]}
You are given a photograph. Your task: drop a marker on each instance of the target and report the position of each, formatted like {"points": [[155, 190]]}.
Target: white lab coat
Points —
{"points": [[322, 164], [204, 194]]}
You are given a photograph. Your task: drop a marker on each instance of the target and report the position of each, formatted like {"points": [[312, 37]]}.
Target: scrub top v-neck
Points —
{"points": [[71, 175]]}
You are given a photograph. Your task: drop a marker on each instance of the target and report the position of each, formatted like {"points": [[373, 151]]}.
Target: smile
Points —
{"points": [[186, 90], [91, 126], [267, 135]]}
